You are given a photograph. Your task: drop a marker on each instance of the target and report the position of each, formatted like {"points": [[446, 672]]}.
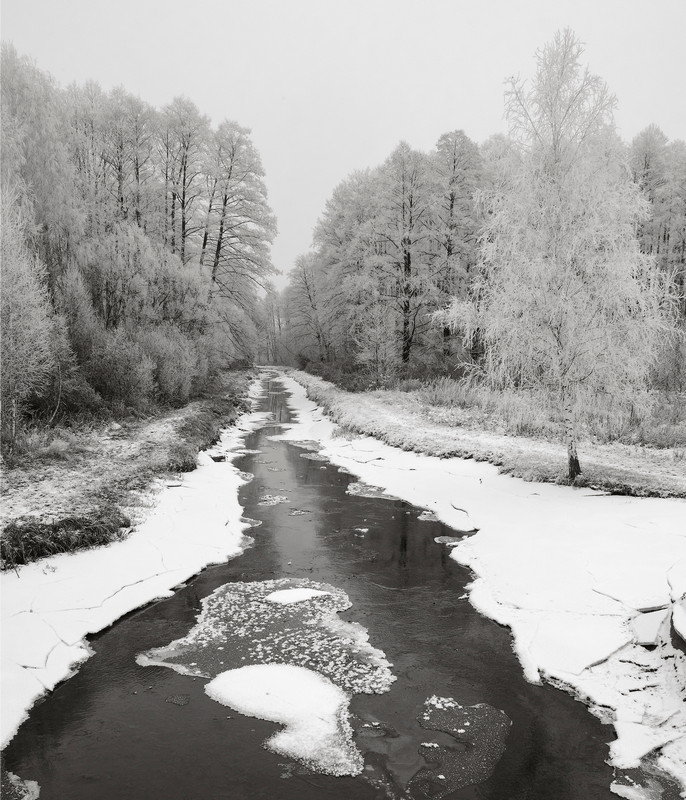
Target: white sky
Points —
{"points": [[329, 86]]}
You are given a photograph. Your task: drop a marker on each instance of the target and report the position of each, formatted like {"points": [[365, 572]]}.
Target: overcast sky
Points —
{"points": [[328, 87]]}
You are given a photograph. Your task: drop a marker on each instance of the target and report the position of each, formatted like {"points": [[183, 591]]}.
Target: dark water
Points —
{"points": [[117, 730]]}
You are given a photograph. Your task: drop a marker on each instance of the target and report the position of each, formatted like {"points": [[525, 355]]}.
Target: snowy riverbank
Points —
{"points": [[402, 419], [592, 586], [48, 607]]}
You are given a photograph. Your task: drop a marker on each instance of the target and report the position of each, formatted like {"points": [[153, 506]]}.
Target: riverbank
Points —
{"points": [[592, 586], [89, 487], [51, 605], [401, 420]]}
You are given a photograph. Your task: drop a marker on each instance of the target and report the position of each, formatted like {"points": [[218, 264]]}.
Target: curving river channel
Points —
{"points": [[120, 729]]}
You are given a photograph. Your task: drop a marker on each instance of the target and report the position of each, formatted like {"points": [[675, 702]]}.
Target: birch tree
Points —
{"points": [[567, 303]]}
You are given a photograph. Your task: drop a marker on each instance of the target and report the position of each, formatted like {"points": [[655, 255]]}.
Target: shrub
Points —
{"points": [[119, 370], [183, 457], [174, 359], [26, 320]]}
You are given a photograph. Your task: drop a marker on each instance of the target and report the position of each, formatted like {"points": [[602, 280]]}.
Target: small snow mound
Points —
{"points": [[312, 708], [272, 499], [286, 596], [359, 489]]}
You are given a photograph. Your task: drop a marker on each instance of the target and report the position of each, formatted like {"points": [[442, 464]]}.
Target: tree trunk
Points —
{"points": [[183, 210], [173, 221], [220, 239], [206, 235], [407, 274], [574, 468]]}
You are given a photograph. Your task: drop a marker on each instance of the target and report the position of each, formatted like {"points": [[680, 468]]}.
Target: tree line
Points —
{"points": [[135, 247], [552, 259]]}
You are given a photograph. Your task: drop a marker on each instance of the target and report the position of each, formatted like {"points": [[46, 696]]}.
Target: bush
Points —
{"points": [[175, 362], [26, 320], [119, 370], [183, 457]]}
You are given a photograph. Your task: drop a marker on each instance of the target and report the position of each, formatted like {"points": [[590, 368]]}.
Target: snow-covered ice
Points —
{"points": [[286, 596], [312, 708], [49, 606], [246, 630], [570, 571]]}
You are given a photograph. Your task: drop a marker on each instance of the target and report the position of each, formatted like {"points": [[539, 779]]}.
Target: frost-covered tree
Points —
{"points": [[405, 245], [154, 228], [659, 168], [566, 302], [185, 133], [25, 318], [457, 166], [240, 225]]}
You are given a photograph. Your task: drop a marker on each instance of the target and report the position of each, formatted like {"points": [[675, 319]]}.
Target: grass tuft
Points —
{"points": [[27, 539]]}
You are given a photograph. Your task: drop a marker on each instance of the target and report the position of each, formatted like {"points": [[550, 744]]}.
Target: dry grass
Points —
{"points": [[507, 431], [527, 413], [28, 539]]}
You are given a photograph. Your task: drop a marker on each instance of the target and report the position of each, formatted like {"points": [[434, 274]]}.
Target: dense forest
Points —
{"points": [[398, 244], [135, 245], [550, 261]]}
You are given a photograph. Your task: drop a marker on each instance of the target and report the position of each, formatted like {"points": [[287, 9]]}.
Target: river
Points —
{"points": [[120, 730]]}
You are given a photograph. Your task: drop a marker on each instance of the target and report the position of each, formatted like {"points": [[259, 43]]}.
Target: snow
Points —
{"points": [[646, 627], [268, 654], [49, 606], [679, 619], [312, 708], [570, 572], [286, 596], [239, 624]]}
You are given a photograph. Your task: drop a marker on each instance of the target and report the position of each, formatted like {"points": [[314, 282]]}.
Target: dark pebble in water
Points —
{"points": [[178, 699]]}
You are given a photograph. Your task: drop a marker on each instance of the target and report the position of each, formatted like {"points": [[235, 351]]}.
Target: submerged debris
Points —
{"points": [[479, 732]]}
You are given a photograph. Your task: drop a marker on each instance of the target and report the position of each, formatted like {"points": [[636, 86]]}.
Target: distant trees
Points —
{"points": [[146, 232], [659, 168], [550, 260], [393, 245], [566, 301]]}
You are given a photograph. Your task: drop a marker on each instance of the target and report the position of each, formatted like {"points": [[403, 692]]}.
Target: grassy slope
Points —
{"points": [[86, 488], [402, 420]]}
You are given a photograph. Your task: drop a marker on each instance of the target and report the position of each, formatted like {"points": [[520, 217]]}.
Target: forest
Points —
{"points": [[549, 263], [543, 269], [135, 245]]}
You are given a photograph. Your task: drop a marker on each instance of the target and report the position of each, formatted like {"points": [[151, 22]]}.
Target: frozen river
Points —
{"points": [[119, 729]]}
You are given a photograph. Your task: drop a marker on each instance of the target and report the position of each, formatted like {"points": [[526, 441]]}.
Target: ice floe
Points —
{"points": [[312, 709], [293, 623], [298, 595]]}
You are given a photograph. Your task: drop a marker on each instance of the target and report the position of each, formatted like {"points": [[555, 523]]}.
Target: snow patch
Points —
{"points": [[312, 708], [286, 596]]}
